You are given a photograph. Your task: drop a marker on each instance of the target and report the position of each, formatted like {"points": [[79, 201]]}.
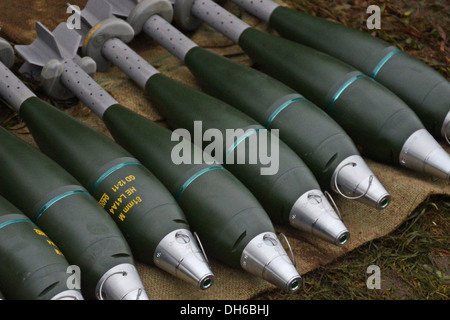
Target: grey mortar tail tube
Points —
{"points": [[424, 89], [31, 266], [375, 118]]}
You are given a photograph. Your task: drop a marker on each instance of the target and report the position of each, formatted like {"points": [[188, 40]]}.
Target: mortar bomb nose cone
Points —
{"points": [[121, 282], [354, 180], [314, 214], [180, 254], [421, 152], [138, 294], [265, 257]]}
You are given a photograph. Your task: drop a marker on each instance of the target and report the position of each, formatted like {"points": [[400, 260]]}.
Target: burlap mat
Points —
{"points": [[408, 189]]}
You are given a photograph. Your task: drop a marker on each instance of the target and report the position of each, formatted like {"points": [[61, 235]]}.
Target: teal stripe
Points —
{"points": [[56, 199], [383, 62], [111, 171], [7, 223], [245, 136], [342, 89], [195, 176], [281, 108]]}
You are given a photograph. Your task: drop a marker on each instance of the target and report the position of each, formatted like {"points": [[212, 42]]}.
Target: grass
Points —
{"points": [[413, 261]]}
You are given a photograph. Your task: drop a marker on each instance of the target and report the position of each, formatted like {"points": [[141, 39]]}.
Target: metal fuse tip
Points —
{"points": [[265, 257], [313, 213], [121, 282], [354, 180], [68, 295], [179, 254], [421, 152]]}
